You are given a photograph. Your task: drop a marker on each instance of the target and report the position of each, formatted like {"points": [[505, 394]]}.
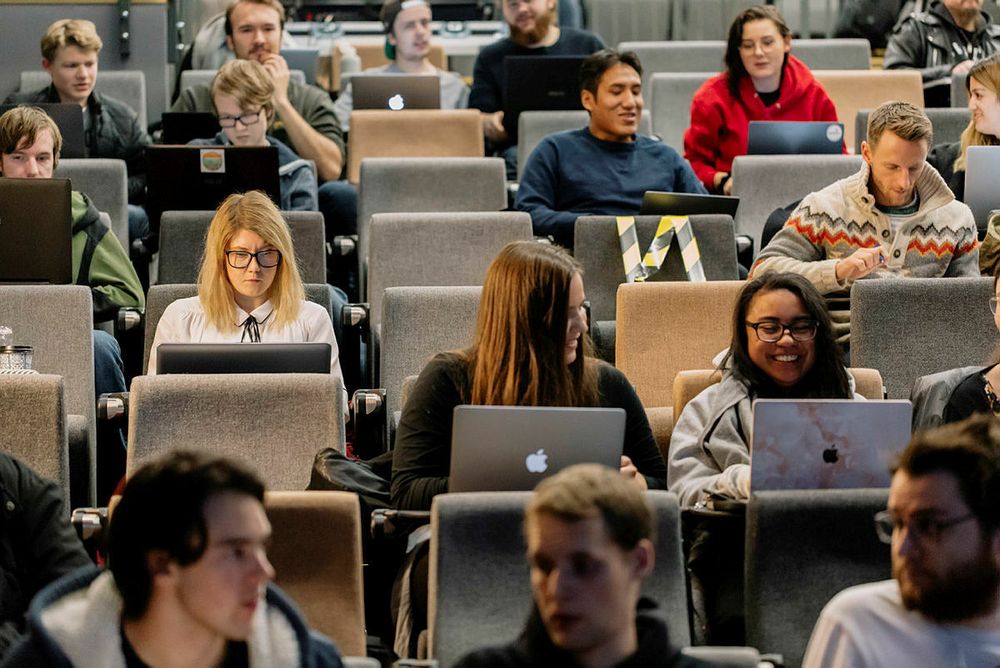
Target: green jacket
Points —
{"points": [[100, 262]]}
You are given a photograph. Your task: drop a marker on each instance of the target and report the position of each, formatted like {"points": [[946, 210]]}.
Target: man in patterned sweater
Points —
{"points": [[895, 218]]}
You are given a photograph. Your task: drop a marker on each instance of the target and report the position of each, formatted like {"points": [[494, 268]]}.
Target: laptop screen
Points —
{"points": [[36, 226], [69, 120], [659, 203], [795, 137], [539, 83], [243, 358]]}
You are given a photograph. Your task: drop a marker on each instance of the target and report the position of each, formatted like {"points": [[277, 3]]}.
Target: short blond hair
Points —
{"points": [[901, 119], [253, 211], [247, 82], [80, 33], [22, 124]]}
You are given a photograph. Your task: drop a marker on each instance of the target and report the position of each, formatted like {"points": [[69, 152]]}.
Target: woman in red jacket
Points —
{"points": [[763, 81]]}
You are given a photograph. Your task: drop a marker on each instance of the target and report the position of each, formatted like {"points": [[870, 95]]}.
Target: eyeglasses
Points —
{"points": [[766, 44], [249, 118], [921, 527], [239, 259], [993, 305], [771, 331]]}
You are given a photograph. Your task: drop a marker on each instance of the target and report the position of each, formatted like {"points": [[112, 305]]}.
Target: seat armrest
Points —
{"points": [[113, 406], [389, 522], [368, 415]]}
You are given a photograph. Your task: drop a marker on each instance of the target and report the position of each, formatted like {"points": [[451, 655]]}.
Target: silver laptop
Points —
{"points": [[512, 448], [305, 60], [795, 137], [982, 164], [826, 443], [396, 91], [36, 229]]}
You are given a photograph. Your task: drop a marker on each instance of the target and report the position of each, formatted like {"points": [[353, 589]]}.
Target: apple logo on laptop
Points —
{"points": [[830, 455], [536, 461], [396, 102]]}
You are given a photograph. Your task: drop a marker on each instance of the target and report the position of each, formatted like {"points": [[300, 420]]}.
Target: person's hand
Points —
{"points": [[719, 177], [277, 67], [493, 126], [859, 263], [628, 469], [743, 482], [728, 188], [962, 68]]}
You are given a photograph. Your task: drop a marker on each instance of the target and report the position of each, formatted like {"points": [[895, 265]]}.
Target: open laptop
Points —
{"points": [[305, 60], [826, 443], [36, 230], [396, 91], [243, 358], [180, 127], [69, 120], [795, 137], [982, 164], [511, 448], [659, 203], [539, 83]]}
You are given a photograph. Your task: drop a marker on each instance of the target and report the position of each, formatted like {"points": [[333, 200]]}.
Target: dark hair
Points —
{"points": [[968, 450], [162, 508], [596, 64], [827, 378], [733, 61]]}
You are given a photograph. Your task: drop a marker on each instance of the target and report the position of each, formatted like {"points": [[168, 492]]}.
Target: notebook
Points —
{"points": [[243, 358], [69, 120], [539, 83], [36, 229], [982, 164], [826, 443], [795, 137], [504, 448], [658, 203], [396, 91]]}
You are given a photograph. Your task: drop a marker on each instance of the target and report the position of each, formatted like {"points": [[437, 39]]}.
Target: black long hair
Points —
{"points": [[733, 60]]}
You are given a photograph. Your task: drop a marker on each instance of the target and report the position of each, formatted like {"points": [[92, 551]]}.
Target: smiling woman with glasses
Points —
{"points": [[978, 392], [249, 288]]}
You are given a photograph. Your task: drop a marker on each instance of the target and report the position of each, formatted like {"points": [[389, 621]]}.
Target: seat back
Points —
{"points": [[704, 19], [948, 123], [596, 247], [959, 93], [768, 182], [802, 547], [533, 126], [192, 78], [834, 54], [907, 328], [685, 55], [851, 90], [617, 20], [416, 133], [664, 328], [671, 95], [316, 553], [470, 606], [437, 249], [182, 244], [33, 410], [128, 86], [105, 181], [243, 416]]}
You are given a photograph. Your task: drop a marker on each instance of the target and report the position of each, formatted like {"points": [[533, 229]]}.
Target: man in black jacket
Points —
{"points": [[943, 41]]}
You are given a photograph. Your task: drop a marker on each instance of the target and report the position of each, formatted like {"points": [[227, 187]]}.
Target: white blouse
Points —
{"points": [[184, 321]]}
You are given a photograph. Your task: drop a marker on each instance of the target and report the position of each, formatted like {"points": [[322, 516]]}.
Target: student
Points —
{"points": [[977, 392], [763, 81], [242, 95]]}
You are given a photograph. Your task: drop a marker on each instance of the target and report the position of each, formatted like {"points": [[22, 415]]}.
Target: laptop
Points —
{"points": [[659, 203], [198, 178], [305, 60], [539, 83], [396, 91], [982, 164], [69, 120], [826, 443], [795, 137], [243, 358], [36, 230], [511, 448], [180, 127]]}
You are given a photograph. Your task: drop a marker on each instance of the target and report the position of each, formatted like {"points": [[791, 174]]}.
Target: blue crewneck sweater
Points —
{"points": [[574, 173]]}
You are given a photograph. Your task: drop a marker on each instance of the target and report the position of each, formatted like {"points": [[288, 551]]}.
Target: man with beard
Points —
{"points": [[943, 606], [533, 32]]}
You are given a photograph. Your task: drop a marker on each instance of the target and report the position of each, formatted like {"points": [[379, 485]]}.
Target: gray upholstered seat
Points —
{"points": [[192, 78], [907, 328], [670, 95], [57, 321], [948, 122], [617, 20], [245, 416], [802, 547], [414, 249], [833, 54], [105, 181], [688, 55], [182, 244], [768, 182], [959, 93], [472, 606], [703, 19], [128, 86]]}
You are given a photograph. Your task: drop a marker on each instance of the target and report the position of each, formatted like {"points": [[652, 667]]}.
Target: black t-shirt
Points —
{"points": [[236, 655], [969, 397]]}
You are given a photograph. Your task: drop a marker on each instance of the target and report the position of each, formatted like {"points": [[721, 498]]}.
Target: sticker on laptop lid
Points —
{"points": [[213, 161], [834, 132]]}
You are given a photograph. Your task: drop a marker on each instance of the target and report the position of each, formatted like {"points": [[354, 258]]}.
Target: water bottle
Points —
{"points": [[6, 336], [350, 62]]}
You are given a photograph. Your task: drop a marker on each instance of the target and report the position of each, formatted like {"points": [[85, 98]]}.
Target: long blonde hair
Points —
{"points": [[986, 72], [517, 357], [253, 211]]}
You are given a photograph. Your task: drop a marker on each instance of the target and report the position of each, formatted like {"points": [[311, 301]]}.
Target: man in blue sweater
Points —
{"points": [[605, 168]]}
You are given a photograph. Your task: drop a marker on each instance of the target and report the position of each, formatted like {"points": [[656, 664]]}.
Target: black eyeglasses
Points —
{"points": [[248, 118], [240, 259], [771, 331], [921, 527]]}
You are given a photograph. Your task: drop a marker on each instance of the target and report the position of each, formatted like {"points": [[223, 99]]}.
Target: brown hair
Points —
{"points": [[987, 73], [273, 4], [901, 119], [70, 32], [248, 83], [517, 357], [22, 124], [732, 59]]}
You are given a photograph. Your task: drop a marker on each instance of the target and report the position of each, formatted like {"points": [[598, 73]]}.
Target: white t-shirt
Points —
{"points": [[868, 627], [184, 321]]}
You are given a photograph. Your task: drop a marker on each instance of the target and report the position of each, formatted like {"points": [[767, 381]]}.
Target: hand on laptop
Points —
{"points": [[277, 67], [493, 126], [859, 263], [629, 470]]}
